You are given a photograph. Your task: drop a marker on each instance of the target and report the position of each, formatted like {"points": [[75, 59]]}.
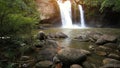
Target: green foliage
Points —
{"points": [[17, 16], [114, 4]]}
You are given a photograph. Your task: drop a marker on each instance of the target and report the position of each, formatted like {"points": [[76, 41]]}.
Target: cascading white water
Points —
{"points": [[65, 11], [82, 16], [66, 15]]}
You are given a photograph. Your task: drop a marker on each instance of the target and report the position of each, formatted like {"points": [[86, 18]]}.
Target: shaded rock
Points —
{"points": [[51, 36], [114, 56], [87, 65], [61, 35], [71, 56], [105, 39], [25, 58], [44, 64], [111, 66], [94, 35], [41, 36], [109, 38], [101, 53], [75, 66], [38, 44], [57, 35], [48, 51], [100, 41], [110, 61], [102, 50], [111, 45], [82, 38]]}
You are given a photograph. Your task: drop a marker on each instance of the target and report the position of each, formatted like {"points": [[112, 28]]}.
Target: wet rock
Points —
{"points": [[61, 35], [76, 66], [102, 50], [106, 39], [51, 36], [101, 53], [114, 56], [111, 45], [71, 56], [48, 51], [38, 44], [87, 65], [41, 36], [94, 35], [110, 61], [92, 47], [44, 64], [111, 66], [109, 38], [25, 58], [57, 35], [100, 41], [82, 38]]}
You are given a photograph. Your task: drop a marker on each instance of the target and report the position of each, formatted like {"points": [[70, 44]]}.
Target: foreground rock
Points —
{"points": [[111, 63], [75, 66], [48, 50], [72, 56], [44, 64]]}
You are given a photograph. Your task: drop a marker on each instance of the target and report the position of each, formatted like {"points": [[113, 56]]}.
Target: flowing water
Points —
{"points": [[69, 42], [65, 11], [66, 14], [82, 16]]}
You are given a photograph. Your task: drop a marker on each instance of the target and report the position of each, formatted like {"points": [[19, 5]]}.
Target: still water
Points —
{"points": [[94, 59]]}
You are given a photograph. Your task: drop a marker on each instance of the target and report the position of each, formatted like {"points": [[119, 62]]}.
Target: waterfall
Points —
{"points": [[66, 14], [82, 16], [65, 11]]}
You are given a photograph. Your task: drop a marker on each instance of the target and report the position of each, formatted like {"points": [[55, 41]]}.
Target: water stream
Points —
{"points": [[66, 14], [82, 16]]}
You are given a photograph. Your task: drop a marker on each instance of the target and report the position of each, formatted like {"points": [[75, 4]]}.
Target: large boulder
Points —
{"points": [[71, 56]]}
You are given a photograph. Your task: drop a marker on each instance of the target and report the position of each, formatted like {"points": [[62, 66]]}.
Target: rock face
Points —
{"points": [[48, 9], [72, 56]]}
